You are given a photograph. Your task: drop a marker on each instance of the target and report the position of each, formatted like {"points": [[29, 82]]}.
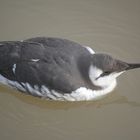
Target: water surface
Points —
{"points": [[107, 26]]}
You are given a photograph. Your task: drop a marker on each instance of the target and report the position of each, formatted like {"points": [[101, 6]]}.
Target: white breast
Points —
{"points": [[81, 94], [84, 94]]}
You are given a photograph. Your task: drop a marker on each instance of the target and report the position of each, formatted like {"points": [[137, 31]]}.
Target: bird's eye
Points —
{"points": [[105, 73]]}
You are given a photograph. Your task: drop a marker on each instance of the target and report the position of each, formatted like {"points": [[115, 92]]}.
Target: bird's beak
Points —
{"points": [[123, 66], [132, 66]]}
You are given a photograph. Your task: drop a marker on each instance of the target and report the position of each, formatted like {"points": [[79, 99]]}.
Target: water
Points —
{"points": [[106, 25]]}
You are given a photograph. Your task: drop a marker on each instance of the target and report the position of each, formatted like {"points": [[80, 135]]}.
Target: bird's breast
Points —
{"points": [[80, 94]]}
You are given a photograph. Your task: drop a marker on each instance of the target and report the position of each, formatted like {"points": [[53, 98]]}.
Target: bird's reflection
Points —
{"points": [[113, 98]]}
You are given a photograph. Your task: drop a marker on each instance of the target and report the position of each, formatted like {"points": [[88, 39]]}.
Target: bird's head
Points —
{"points": [[104, 69]]}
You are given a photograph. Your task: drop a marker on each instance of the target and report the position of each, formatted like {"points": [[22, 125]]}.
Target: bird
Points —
{"points": [[59, 69]]}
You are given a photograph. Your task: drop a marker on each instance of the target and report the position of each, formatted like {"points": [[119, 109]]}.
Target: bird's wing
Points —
{"points": [[39, 64]]}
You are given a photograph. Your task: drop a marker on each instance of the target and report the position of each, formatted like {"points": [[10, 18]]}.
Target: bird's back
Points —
{"points": [[57, 64]]}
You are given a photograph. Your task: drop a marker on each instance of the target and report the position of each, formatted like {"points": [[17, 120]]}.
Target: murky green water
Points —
{"points": [[106, 25]]}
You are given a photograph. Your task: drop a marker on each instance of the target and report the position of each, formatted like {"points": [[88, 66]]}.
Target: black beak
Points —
{"points": [[123, 66], [132, 66]]}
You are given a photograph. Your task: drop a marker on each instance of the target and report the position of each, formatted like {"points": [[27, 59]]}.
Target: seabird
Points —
{"points": [[59, 69]]}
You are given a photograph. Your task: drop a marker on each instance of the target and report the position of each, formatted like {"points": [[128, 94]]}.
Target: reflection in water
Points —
{"points": [[113, 98]]}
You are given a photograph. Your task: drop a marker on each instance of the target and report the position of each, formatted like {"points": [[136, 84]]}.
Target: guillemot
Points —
{"points": [[59, 69]]}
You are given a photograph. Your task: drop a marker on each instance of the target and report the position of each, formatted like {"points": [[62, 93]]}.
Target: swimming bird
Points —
{"points": [[59, 69]]}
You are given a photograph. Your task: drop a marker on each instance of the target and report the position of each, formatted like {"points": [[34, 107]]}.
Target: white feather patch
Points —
{"points": [[14, 68], [35, 60], [90, 49]]}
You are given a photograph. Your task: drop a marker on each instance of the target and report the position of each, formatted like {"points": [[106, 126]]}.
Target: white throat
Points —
{"points": [[107, 83]]}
